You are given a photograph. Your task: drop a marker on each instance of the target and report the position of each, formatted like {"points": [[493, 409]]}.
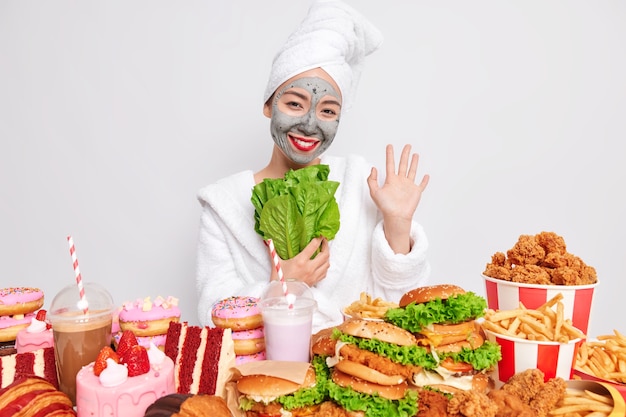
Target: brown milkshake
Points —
{"points": [[81, 327], [76, 344]]}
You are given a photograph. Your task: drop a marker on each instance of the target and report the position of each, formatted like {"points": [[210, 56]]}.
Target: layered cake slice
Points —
{"points": [[40, 363], [203, 358]]}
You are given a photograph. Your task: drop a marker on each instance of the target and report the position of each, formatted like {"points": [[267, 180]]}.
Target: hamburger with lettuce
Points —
{"points": [[443, 320], [360, 363], [264, 395]]}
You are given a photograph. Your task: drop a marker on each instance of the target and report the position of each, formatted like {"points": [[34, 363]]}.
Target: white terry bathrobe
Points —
{"points": [[232, 258]]}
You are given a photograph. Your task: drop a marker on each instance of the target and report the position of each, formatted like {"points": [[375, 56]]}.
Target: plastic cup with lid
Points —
{"points": [[288, 320], [81, 327]]}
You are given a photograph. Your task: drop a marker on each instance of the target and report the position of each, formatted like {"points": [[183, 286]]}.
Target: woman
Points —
{"points": [[379, 247]]}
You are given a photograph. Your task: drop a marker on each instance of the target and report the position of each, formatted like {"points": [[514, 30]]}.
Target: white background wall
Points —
{"points": [[113, 114]]}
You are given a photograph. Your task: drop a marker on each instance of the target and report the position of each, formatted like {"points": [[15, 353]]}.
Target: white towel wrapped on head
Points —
{"points": [[334, 37]]}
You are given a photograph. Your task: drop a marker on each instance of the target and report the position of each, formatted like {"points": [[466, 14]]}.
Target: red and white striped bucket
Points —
{"points": [[552, 358], [577, 299]]}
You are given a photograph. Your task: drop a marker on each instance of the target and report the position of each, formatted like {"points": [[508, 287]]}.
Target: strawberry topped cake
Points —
{"points": [[124, 382], [37, 335]]}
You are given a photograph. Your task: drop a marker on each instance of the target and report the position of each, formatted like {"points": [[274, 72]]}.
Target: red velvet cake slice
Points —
{"points": [[40, 362], [203, 358]]}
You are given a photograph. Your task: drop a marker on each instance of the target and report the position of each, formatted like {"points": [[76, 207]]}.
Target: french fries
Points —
{"points": [[546, 323], [583, 403], [604, 358], [367, 307]]}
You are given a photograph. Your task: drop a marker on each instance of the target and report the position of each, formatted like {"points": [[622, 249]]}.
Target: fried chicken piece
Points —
{"points": [[554, 260], [551, 243], [472, 404], [499, 259], [510, 405], [588, 275], [550, 394], [499, 267], [525, 385], [526, 251], [378, 362], [574, 262], [565, 276], [432, 404], [498, 272], [530, 274]]}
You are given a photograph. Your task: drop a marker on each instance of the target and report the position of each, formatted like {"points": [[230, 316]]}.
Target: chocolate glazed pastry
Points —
{"points": [[188, 405], [166, 406]]}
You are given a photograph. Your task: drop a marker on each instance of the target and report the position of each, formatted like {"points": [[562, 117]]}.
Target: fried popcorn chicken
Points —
{"points": [[548, 396], [525, 385], [499, 267], [588, 275], [530, 274], [509, 405], [551, 243], [565, 276], [432, 403], [540, 259], [530, 388], [525, 394], [499, 259], [554, 260], [526, 251], [472, 404]]}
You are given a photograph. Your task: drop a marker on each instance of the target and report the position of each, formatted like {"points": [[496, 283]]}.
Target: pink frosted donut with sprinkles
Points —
{"points": [[145, 317], [249, 342], [237, 313], [20, 300]]}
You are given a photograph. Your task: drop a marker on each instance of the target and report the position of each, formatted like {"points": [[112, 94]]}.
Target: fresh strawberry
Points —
{"points": [[127, 341], [101, 361], [41, 315], [136, 360]]}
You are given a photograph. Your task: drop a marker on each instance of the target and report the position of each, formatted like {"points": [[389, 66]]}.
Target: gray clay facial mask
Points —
{"points": [[289, 131]]}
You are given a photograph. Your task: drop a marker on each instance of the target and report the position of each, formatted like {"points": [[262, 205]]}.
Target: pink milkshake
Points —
{"points": [[288, 328]]}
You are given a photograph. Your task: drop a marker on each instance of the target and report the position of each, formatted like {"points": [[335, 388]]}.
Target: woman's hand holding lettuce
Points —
{"points": [[295, 209]]}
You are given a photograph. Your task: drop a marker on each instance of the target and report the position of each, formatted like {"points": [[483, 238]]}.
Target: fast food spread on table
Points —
{"points": [[437, 351]]}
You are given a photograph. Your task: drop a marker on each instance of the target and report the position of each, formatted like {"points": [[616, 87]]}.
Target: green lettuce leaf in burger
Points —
{"points": [[443, 320]]}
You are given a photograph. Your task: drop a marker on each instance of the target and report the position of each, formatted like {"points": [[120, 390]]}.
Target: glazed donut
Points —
{"points": [[11, 326], [240, 359], [146, 318], [20, 300], [249, 342], [237, 313]]}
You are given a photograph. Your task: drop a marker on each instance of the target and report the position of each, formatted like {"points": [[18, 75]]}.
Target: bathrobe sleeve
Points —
{"points": [[231, 258]]}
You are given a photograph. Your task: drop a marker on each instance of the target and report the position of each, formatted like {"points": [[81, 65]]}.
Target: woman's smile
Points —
{"points": [[303, 144]]}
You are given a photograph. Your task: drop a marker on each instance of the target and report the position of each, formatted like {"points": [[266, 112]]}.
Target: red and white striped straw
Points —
{"points": [[79, 278], [279, 269]]}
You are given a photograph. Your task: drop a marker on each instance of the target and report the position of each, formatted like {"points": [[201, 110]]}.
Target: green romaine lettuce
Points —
{"points": [[295, 209], [457, 309]]}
